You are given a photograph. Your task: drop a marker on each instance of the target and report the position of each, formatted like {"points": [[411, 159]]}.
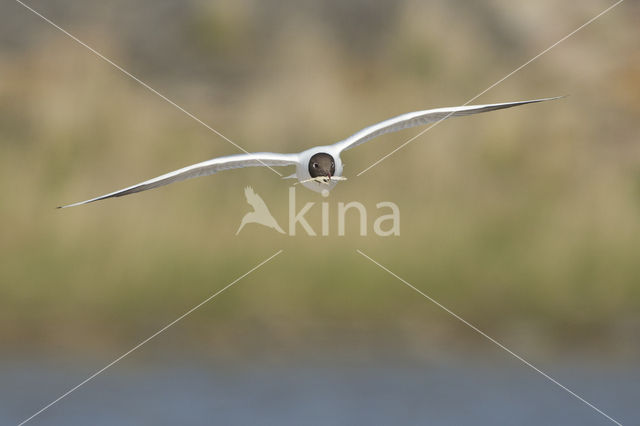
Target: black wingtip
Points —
{"points": [[553, 98]]}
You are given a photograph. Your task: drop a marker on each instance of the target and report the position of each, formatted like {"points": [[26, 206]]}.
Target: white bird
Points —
{"points": [[260, 213], [318, 168]]}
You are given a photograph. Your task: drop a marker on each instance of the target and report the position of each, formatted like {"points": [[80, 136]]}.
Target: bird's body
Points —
{"points": [[316, 168]]}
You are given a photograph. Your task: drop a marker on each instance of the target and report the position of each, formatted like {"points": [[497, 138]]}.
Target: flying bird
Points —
{"points": [[260, 213], [318, 168]]}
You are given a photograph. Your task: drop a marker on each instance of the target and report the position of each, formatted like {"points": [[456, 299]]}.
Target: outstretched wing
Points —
{"points": [[203, 169], [420, 118]]}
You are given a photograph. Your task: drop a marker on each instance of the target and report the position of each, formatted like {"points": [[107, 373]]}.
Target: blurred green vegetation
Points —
{"points": [[525, 222]]}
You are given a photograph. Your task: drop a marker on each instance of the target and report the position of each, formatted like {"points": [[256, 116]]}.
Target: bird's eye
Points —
{"points": [[315, 165]]}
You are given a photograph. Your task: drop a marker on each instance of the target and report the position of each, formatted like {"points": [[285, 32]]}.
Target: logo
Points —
{"points": [[387, 222], [260, 213]]}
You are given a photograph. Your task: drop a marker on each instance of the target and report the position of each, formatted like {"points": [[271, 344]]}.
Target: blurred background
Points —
{"points": [[525, 222]]}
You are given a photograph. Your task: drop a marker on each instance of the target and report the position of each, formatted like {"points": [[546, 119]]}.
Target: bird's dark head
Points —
{"points": [[322, 164]]}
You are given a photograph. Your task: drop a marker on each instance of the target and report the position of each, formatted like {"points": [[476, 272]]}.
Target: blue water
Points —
{"points": [[332, 393]]}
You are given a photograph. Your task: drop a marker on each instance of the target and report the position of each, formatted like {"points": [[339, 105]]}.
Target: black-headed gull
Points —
{"points": [[318, 168]]}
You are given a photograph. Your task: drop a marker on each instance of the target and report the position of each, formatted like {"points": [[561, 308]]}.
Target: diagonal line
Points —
{"points": [[145, 85], [91, 377], [500, 345], [408, 141]]}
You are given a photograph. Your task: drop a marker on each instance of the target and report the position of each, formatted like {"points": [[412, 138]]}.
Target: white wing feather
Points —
{"points": [[420, 118], [203, 169]]}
